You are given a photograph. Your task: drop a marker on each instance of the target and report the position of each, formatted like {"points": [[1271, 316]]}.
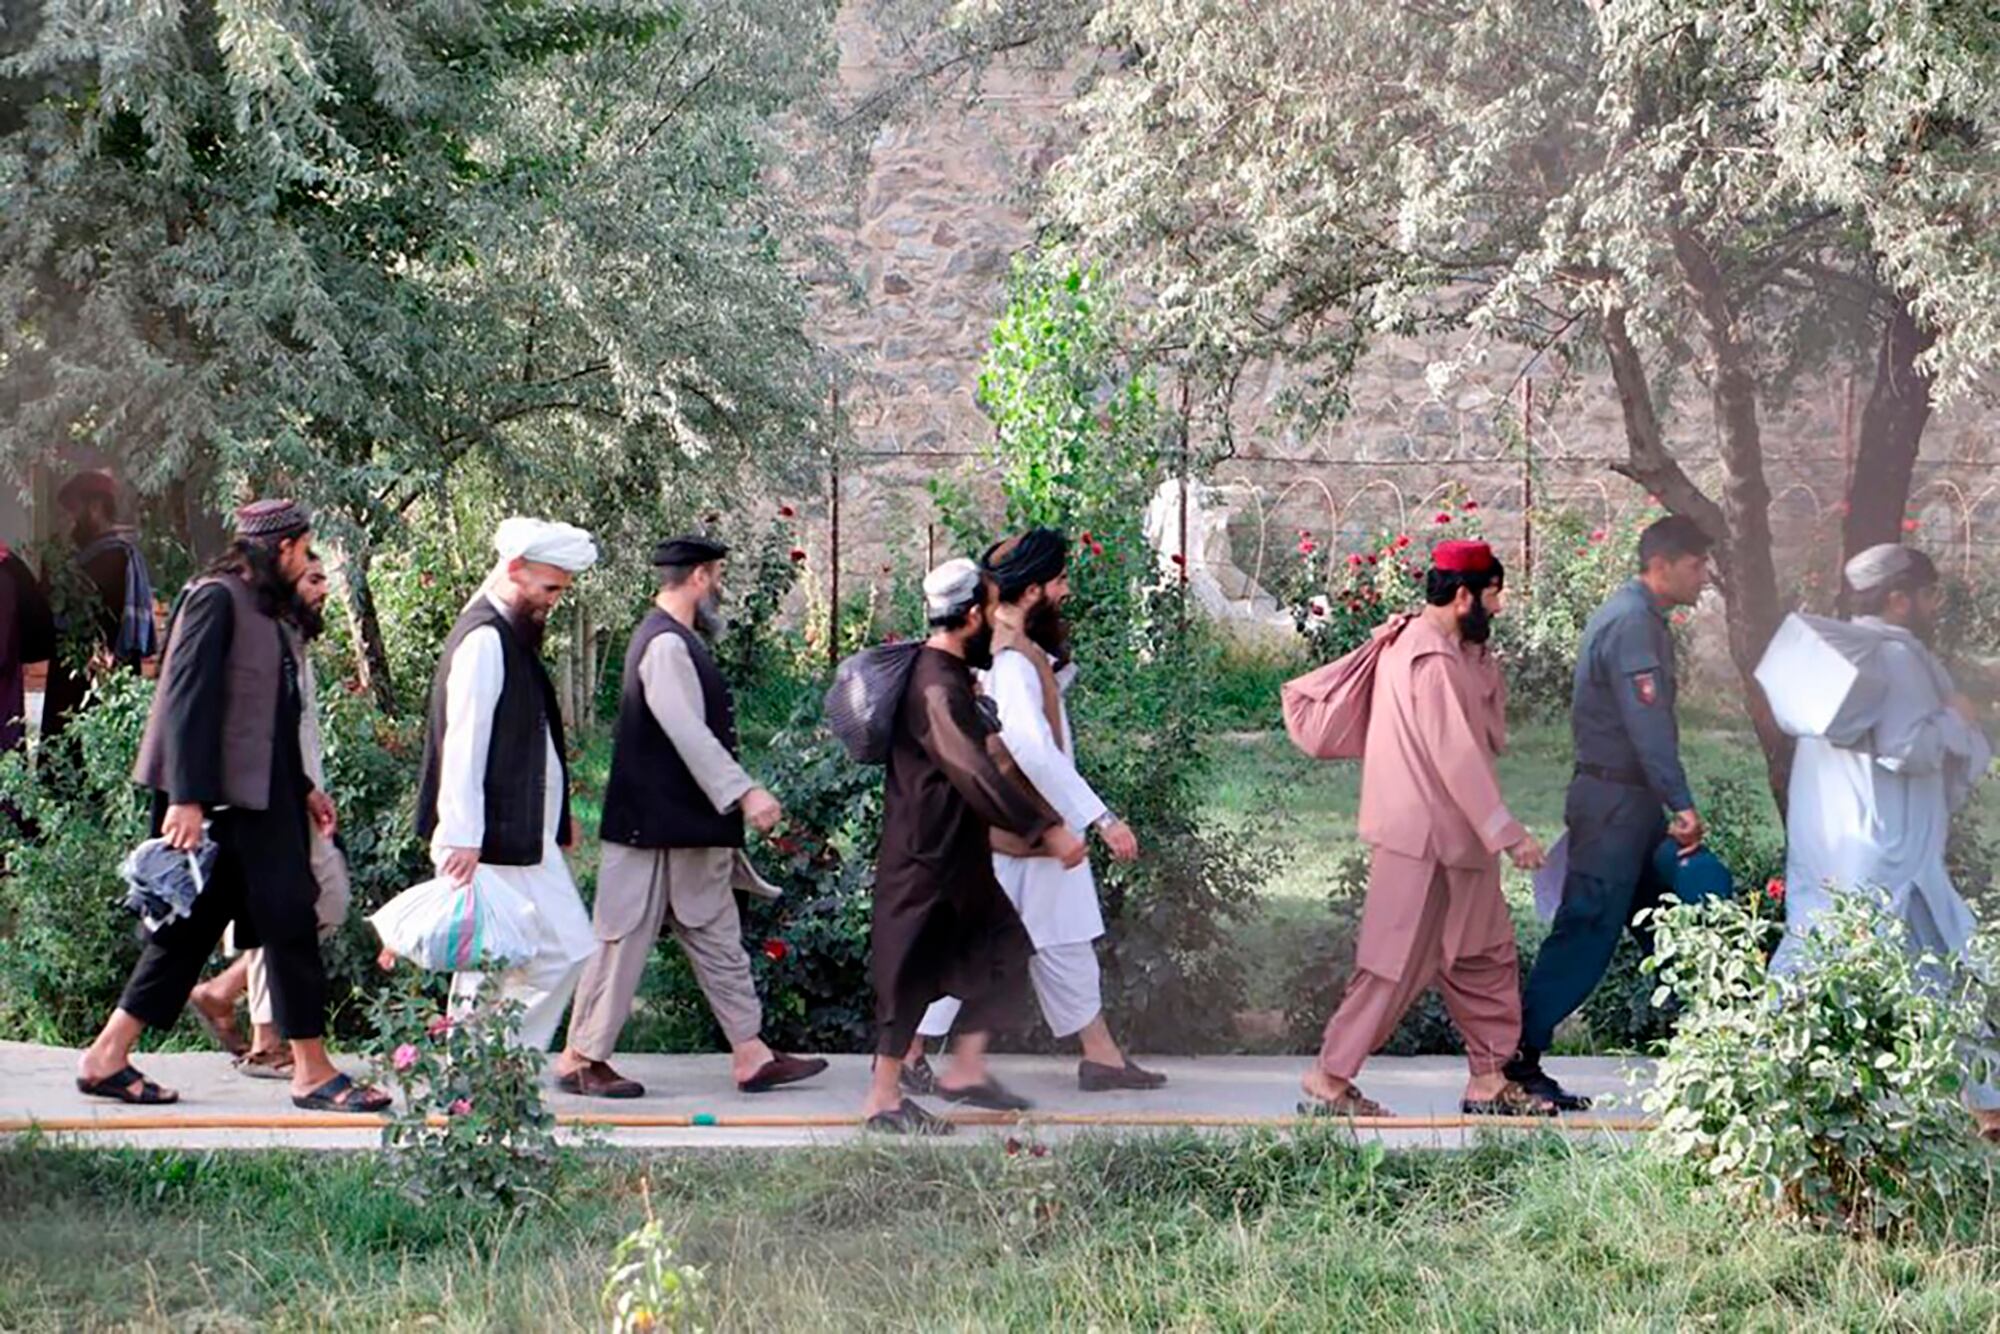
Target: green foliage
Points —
{"points": [[470, 1124], [66, 941], [648, 1290], [1833, 1094], [1579, 563]]}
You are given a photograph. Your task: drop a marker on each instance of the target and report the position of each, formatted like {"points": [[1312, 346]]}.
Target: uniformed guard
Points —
{"points": [[1628, 775]]}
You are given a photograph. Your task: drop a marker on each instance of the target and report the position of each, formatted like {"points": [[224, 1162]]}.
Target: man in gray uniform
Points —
{"points": [[1628, 773]]}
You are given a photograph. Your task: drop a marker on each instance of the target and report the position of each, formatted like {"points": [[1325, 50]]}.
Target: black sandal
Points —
{"points": [[908, 1119], [127, 1086], [1511, 1100], [991, 1095], [342, 1094]]}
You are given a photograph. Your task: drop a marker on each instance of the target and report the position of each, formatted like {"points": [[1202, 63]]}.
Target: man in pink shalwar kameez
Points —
{"points": [[1435, 825]]}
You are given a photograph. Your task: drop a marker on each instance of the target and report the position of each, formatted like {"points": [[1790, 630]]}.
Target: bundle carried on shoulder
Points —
{"points": [[1326, 710], [867, 691], [1821, 678], [444, 927]]}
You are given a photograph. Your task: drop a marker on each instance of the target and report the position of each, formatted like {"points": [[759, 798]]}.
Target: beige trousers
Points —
{"points": [[329, 871], [639, 890]]}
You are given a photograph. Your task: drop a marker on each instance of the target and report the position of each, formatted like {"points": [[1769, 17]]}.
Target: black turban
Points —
{"points": [[1035, 557], [689, 550]]}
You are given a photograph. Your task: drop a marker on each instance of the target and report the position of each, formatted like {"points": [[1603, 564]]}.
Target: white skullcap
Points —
{"points": [[1877, 566], [951, 588], [562, 545]]}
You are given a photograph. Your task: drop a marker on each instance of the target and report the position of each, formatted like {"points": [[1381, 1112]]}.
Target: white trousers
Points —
{"points": [[543, 987], [1068, 983]]}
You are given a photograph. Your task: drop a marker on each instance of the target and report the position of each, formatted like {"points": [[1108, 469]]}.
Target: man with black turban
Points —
{"points": [[1057, 903], [675, 807]]}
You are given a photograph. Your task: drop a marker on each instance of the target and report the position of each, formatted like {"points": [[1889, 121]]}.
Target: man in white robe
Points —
{"points": [[495, 797], [1872, 806], [1058, 905]]}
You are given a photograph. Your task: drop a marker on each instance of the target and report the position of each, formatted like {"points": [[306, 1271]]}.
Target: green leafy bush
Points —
{"points": [[1832, 1094]]}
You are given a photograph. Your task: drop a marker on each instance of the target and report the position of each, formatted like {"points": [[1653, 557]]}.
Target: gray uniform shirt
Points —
{"points": [[1622, 707]]}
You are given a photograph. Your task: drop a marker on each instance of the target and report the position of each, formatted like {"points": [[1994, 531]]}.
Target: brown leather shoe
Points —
{"points": [[599, 1080], [781, 1069]]}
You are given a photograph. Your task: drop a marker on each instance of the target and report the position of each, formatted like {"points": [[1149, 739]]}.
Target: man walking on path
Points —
{"points": [[494, 795], [942, 926], [104, 596], [674, 811], [1872, 812], [1058, 905], [1628, 770], [267, 1056], [1432, 816], [223, 752]]}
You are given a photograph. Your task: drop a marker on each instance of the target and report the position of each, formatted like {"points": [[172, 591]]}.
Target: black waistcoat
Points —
{"points": [[651, 799], [516, 779]]}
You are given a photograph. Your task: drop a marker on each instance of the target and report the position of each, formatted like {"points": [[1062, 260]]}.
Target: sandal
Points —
{"points": [[908, 1119], [222, 1028], [342, 1094], [918, 1077], [991, 1095], [1353, 1103], [1511, 1100], [265, 1064], [128, 1086]]}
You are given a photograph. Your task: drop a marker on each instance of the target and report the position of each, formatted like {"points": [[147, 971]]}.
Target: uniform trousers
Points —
{"points": [[639, 891], [1426, 923]]}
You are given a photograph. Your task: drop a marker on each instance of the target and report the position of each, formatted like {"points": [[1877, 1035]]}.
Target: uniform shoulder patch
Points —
{"points": [[1646, 685]]}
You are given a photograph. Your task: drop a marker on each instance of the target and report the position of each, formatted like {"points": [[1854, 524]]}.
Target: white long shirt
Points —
{"points": [[1058, 906], [1878, 813], [472, 693]]}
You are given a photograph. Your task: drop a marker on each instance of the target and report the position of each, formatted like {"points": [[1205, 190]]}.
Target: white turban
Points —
{"points": [[1877, 566], [951, 588], [562, 545]]}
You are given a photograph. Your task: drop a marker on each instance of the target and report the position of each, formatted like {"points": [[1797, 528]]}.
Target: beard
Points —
{"points": [[1046, 627], [1476, 626], [979, 650], [1924, 625], [531, 626], [708, 622], [310, 620]]}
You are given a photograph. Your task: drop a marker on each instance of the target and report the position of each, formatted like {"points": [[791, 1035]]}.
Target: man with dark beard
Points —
{"points": [[1058, 904], [942, 926], [1435, 825], [267, 1056], [223, 754], [674, 811]]}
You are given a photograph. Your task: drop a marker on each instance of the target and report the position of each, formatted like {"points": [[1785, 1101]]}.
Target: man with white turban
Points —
{"points": [[941, 924], [1871, 802], [495, 789]]}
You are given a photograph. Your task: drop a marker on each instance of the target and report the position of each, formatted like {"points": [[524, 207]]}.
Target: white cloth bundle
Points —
{"points": [[1820, 678], [443, 927]]}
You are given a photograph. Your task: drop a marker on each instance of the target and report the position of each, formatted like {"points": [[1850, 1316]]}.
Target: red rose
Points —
{"points": [[1039, 1151], [1470, 506], [1084, 538], [798, 555], [786, 512], [1306, 547], [1178, 559], [1774, 888], [1597, 534], [439, 1025], [775, 950], [1355, 559], [1012, 1146], [1097, 548], [1402, 540], [1910, 525], [1442, 517]]}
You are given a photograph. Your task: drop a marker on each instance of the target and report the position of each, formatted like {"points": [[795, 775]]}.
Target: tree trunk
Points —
{"points": [[1892, 428], [1745, 559], [371, 657]]}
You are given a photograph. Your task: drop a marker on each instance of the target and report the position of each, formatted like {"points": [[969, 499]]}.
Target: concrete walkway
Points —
{"points": [[690, 1101]]}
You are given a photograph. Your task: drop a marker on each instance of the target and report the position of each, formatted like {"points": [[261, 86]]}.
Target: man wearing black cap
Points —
{"points": [[674, 811], [104, 597], [223, 750], [1057, 903]]}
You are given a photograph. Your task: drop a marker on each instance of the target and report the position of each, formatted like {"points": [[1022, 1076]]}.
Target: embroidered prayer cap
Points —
{"points": [[86, 485], [1878, 565], [951, 588], [690, 549], [1462, 557], [545, 542], [1035, 557], [272, 520]]}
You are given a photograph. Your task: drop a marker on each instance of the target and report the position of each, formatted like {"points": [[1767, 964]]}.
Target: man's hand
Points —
{"points": [[1527, 855], [320, 807], [459, 864], [1118, 837], [1687, 830], [762, 810], [1065, 847], [182, 826]]}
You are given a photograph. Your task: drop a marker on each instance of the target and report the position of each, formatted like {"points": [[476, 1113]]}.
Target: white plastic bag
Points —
{"points": [[451, 928], [1549, 880]]}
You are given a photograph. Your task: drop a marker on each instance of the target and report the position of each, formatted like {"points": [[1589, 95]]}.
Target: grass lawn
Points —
{"points": [[1244, 1232]]}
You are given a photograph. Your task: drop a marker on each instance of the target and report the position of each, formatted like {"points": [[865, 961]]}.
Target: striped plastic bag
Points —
{"points": [[451, 928]]}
